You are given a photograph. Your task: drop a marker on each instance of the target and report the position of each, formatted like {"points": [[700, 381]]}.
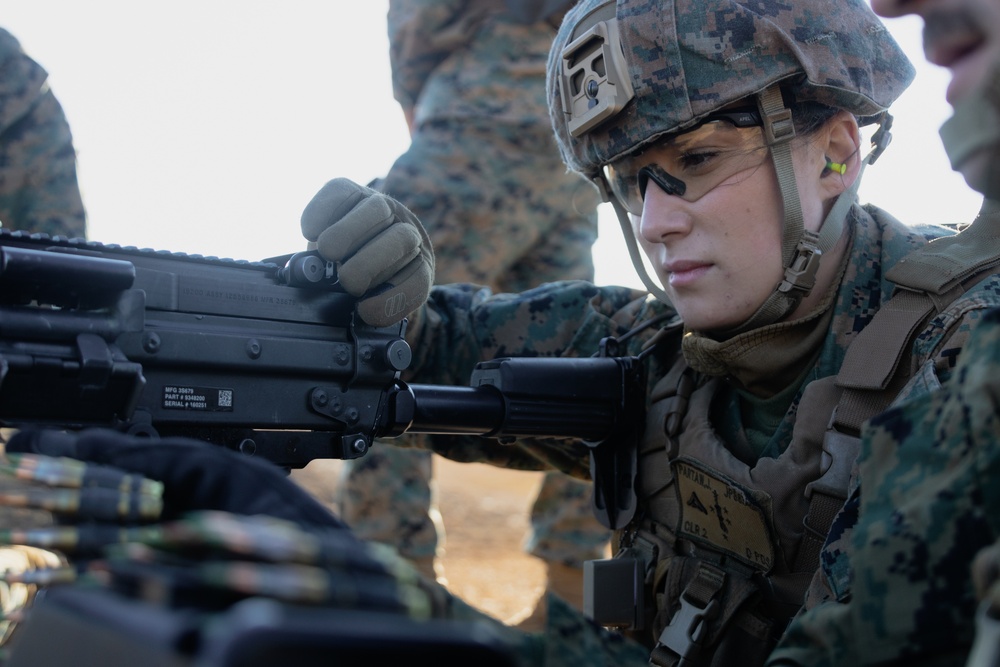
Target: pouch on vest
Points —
{"points": [[709, 624], [613, 591]]}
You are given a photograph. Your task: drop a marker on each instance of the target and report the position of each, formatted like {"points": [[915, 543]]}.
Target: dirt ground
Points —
{"points": [[485, 512]]}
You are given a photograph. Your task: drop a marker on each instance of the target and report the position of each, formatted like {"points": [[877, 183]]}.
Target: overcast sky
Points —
{"points": [[206, 125]]}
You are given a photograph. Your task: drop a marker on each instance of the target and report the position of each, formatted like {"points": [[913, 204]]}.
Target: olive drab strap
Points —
{"points": [[669, 405], [872, 374], [686, 385], [802, 249], [779, 130], [930, 280], [778, 133], [826, 495]]}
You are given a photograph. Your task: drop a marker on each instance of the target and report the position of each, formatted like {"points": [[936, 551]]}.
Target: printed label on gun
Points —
{"points": [[208, 399]]}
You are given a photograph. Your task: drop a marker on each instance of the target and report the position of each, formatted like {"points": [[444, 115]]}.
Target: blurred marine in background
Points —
{"points": [[484, 175], [38, 184]]}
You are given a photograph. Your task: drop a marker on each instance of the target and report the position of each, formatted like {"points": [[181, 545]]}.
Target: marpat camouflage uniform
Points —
{"points": [[485, 178], [461, 326], [38, 184], [895, 581]]}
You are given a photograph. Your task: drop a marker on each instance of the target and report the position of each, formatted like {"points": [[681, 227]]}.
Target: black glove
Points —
{"points": [[196, 475], [383, 253]]}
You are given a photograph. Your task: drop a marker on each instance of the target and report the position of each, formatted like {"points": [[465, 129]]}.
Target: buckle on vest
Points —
{"points": [[687, 629], [836, 463]]}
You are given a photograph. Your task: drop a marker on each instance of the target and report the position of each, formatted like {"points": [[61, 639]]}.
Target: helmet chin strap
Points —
{"points": [[801, 249], [799, 252]]}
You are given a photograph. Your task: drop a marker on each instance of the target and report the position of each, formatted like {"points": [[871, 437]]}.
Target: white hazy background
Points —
{"points": [[205, 126]]}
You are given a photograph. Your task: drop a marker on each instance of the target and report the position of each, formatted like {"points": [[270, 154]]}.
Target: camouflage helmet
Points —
{"points": [[662, 66]]}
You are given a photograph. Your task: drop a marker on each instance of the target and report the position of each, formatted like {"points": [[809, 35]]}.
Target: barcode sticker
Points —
{"points": [[209, 399]]}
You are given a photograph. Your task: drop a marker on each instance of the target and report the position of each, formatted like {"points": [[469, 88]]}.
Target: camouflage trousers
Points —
{"points": [[501, 210], [388, 496], [38, 183]]}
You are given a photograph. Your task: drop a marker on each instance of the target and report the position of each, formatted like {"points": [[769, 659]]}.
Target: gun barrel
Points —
{"points": [[529, 397], [456, 410]]}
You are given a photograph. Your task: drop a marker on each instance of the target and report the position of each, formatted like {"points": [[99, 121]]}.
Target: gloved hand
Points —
{"points": [[196, 475], [383, 253]]}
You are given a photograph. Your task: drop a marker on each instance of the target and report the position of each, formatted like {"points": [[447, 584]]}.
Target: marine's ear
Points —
{"points": [[840, 143]]}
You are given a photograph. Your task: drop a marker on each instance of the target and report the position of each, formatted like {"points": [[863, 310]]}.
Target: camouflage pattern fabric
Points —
{"points": [[688, 58], [461, 326], [563, 318], [484, 176], [906, 542], [393, 503], [386, 496], [498, 205], [38, 183], [456, 59], [563, 527], [928, 505]]}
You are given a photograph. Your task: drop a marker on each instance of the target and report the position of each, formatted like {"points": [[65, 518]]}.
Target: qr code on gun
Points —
{"points": [[225, 398]]}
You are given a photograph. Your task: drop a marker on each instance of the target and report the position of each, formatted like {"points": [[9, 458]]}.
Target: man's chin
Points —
{"points": [[981, 171]]}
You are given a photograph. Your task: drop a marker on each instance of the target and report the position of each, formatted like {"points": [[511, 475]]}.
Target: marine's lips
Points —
{"points": [[683, 272]]}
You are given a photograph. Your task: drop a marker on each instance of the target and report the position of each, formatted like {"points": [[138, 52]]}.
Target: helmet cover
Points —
{"points": [[663, 65]]}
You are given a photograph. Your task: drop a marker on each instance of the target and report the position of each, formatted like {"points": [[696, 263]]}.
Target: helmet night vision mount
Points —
{"points": [[595, 84]]}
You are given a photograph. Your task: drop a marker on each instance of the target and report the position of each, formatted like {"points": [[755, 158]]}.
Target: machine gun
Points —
{"points": [[267, 358]]}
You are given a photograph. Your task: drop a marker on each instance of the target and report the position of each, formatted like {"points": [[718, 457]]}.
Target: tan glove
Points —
{"points": [[382, 252]]}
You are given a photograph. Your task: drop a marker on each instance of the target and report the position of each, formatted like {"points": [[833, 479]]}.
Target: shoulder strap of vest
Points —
{"points": [[930, 279]]}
